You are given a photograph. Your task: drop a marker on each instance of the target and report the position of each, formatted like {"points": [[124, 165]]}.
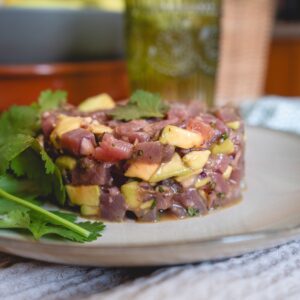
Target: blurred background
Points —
{"points": [[79, 45]]}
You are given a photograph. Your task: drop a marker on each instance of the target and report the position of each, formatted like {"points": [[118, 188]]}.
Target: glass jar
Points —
{"points": [[172, 47]]}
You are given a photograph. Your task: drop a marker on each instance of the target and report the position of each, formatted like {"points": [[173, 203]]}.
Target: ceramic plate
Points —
{"points": [[268, 215]]}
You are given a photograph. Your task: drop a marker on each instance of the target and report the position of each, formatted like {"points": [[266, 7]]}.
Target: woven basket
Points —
{"points": [[246, 27]]}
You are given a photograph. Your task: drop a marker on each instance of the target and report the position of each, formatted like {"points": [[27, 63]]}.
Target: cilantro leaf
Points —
{"points": [[19, 213], [39, 228], [18, 120], [6, 206], [49, 100], [192, 212], [59, 187], [11, 148], [30, 165], [126, 113], [21, 187], [142, 104], [40, 169], [56, 180], [25, 157], [49, 164], [151, 104], [15, 219], [95, 228], [21, 124], [18, 126]]}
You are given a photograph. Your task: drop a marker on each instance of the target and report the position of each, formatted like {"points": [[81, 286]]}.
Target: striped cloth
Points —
{"points": [[271, 274]]}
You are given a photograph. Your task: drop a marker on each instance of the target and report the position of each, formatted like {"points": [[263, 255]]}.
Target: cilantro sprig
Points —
{"points": [[18, 213], [28, 173], [141, 105]]}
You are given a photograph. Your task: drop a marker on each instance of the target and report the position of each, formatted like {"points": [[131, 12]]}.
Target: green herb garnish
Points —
{"points": [[192, 212], [19, 213], [221, 195], [153, 205], [141, 105], [28, 173], [20, 151], [50, 100], [224, 136], [161, 189]]}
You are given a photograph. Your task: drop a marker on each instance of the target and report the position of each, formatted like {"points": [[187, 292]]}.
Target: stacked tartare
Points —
{"points": [[183, 161]]}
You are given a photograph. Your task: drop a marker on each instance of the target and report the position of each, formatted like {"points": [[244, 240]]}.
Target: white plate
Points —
{"points": [[268, 215]]}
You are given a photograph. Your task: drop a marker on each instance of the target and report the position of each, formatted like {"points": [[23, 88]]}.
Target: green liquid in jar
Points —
{"points": [[172, 47]]}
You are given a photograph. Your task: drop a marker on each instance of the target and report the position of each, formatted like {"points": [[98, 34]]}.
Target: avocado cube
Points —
{"points": [[181, 138], [188, 181], [202, 182], [227, 147], [130, 191], [97, 128], [87, 210], [141, 170], [204, 195], [147, 205], [99, 102], [188, 174], [65, 162], [84, 194], [227, 172], [196, 159], [64, 124], [235, 125], [175, 167]]}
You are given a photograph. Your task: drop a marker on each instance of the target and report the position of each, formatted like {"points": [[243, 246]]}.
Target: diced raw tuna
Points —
{"points": [[221, 185], [149, 216], [168, 152], [183, 112], [227, 114], [132, 131], [149, 152], [218, 126], [48, 123], [199, 126], [78, 142], [217, 163], [112, 205], [91, 172], [154, 129], [237, 175], [112, 149], [164, 200], [190, 198], [178, 210]]}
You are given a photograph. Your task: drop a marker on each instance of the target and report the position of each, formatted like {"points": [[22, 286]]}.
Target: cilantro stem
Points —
{"points": [[50, 215]]}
